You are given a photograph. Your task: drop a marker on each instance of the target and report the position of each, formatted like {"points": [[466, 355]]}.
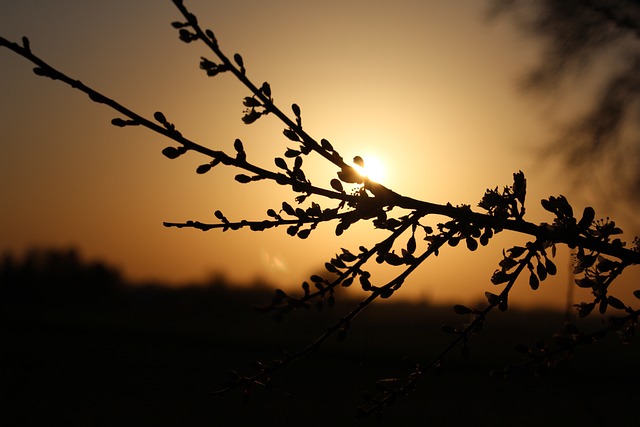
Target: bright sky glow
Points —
{"points": [[424, 91], [373, 168]]}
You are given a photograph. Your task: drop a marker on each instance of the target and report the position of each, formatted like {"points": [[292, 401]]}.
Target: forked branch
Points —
{"points": [[600, 255]]}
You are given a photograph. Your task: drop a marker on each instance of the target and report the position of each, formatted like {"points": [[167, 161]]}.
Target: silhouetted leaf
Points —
{"points": [[210, 34], [564, 207], [358, 161], [293, 230], [584, 262], [118, 122], [492, 298], [559, 206], [289, 133], [484, 239], [541, 271], [203, 168], [237, 144], [173, 152], [364, 282], [257, 227], [160, 117], [534, 282], [516, 251], [316, 278], [411, 244], [551, 267], [347, 256], [500, 276], [604, 303], [330, 267], [519, 186], [606, 265], [393, 259], [305, 287], [297, 164], [251, 102], [288, 208], [386, 293], [296, 110], [242, 178], [615, 303], [251, 116], [350, 175], [187, 36], [587, 218], [266, 89], [238, 58], [338, 263], [303, 234], [336, 185], [38, 71], [281, 163], [326, 145], [472, 244], [291, 153], [547, 205], [585, 282], [508, 263]]}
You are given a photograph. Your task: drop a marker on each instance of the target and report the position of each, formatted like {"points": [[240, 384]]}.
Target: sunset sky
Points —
{"points": [[427, 87]]}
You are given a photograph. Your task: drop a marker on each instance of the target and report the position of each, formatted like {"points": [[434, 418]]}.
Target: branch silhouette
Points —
{"points": [[577, 36], [600, 256]]}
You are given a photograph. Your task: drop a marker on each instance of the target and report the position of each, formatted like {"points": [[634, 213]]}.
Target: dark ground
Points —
{"points": [[81, 349]]}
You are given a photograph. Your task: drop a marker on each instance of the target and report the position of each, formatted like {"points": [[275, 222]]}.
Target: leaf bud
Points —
{"points": [[296, 110]]}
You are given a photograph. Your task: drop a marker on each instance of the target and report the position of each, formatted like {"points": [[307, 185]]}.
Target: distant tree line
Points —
{"points": [[44, 274]]}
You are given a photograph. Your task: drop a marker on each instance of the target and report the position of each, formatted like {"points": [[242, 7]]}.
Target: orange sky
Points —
{"points": [[429, 87]]}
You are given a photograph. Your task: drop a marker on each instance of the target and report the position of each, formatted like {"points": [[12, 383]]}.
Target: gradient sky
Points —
{"points": [[429, 87]]}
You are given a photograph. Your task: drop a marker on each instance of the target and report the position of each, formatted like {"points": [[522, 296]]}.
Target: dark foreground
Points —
{"points": [[110, 355]]}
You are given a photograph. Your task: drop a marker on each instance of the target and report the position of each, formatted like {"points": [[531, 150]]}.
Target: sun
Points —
{"points": [[371, 166]]}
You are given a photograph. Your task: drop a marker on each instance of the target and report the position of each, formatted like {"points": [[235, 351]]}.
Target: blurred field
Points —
{"points": [[79, 347]]}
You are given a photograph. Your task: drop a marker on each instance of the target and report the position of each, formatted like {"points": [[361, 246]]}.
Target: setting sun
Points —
{"points": [[371, 166]]}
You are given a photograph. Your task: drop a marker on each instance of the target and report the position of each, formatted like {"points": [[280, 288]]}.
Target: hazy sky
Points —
{"points": [[429, 87]]}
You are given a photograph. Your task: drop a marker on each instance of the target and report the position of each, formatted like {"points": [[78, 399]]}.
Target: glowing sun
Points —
{"points": [[370, 166]]}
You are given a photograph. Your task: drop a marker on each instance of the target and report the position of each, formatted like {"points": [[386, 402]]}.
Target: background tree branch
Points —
{"points": [[589, 44]]}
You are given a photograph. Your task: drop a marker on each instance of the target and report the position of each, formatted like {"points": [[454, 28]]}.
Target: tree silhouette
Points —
{"points": [[594, 41], [350, 198]]}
